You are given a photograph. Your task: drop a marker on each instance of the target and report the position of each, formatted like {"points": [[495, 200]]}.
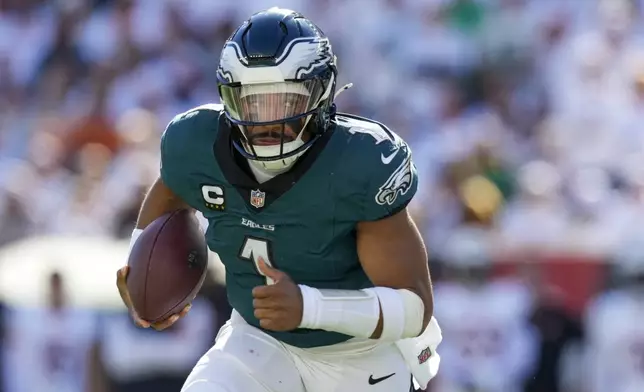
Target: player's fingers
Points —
{"points": [[160, 326], [263, 314], [269, 271], [265, 303], [138, 320], [122, 272], [185, 310], [264, 292], [267, 324], [273, 324], [172, 319], [121, 276]]}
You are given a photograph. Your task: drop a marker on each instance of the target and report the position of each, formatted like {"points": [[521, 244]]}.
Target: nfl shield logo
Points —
{"points": [[257, 198], [424, 355]]}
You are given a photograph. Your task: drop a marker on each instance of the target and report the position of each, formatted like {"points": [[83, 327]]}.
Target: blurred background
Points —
{"points": [[526, 118]]}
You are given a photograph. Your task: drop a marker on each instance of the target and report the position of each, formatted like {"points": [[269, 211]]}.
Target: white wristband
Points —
{"points": [[135, 235], [403, 312], [351, 312], [356, 312]]}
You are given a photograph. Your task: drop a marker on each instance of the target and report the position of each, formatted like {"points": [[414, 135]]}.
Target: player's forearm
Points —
{"points": [[158, 201], [393, 255]]}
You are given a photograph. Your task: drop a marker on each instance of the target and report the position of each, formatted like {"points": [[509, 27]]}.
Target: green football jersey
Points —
{"points": [[303, 221]]}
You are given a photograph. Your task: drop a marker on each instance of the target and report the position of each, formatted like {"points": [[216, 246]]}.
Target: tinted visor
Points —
{"points": [[271, 102]]}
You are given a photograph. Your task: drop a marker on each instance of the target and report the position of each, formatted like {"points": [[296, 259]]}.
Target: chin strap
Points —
{"points": [[344, 88]]}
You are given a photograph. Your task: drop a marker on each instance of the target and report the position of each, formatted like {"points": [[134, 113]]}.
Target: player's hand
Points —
{"points": [[278, 306], [121, 278]]}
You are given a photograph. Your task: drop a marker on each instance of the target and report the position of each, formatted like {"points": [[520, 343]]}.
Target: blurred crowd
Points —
{"points": [[525, 118]]}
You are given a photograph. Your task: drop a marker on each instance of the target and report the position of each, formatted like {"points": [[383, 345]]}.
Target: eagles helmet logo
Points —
{"points": [[300, 58], [398, 183]]}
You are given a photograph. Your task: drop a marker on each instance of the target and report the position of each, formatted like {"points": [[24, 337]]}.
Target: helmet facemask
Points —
{"points": [[273, 119]]}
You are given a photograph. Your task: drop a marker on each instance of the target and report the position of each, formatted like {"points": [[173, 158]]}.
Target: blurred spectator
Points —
{"points": [[559, 334], [49, 349], [615, 354], [137, 359], [487, 343]]}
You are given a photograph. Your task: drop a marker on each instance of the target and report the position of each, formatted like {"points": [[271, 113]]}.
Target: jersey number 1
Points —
{"points": [[254, 248]]}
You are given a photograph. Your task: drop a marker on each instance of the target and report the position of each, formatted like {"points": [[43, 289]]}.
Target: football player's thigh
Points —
{"points": [[244, 359], [381, 369], [221, 374]]}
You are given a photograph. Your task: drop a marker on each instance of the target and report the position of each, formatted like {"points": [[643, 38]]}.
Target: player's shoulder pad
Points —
{"points": [[382, 161], [191, 119], [195, 124], [188, 135]]}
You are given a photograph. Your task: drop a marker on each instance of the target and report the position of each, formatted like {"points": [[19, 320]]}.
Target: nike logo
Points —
{"points": [[387, 160], [374, 381]]}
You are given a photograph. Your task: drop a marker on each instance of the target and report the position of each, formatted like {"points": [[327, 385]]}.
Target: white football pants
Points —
{"points": [[245, 359]]}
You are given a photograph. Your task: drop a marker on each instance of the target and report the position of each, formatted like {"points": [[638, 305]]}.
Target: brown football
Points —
{"points": [[168, 264]]}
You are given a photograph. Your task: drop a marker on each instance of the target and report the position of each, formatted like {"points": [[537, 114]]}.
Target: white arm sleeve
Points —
{"points": [[356, 312]]}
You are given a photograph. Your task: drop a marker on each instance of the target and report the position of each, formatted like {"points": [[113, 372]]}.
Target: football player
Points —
{"points": [[488, 344], [307, 208]]}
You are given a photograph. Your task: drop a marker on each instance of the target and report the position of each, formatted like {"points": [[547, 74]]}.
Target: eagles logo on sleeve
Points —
{"points": [[398, 183]]}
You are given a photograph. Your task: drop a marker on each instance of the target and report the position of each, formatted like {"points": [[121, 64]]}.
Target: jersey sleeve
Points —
{"points": [[392, 181], [186, 149], [172, 154], [185, 142]]}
